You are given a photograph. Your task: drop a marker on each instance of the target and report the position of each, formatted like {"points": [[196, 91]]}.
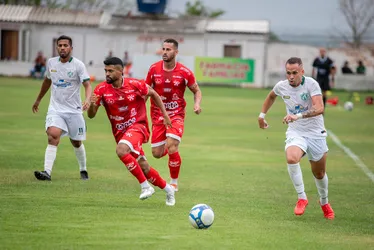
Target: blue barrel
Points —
{"points": [[152, 6]]}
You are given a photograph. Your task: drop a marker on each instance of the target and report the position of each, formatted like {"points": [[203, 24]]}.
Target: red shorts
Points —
{"points": [[160, 132], [134, 138]]}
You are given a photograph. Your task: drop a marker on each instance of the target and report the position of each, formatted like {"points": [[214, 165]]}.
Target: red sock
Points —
{"points": [[154, 177], [175, 163], [134, 167]]}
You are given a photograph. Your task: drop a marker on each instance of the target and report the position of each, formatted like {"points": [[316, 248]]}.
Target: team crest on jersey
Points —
{"points": [[120, 98], [133, 112], [130, 97], [175, 97], [158, 81], [167, 81], [304, 96], [70, 73]]}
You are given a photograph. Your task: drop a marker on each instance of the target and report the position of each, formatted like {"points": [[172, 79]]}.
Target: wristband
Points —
{"points": [[262, 115], [299, 116]]}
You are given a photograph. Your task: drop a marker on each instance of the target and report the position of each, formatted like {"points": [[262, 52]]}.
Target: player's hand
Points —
{"points": [[35, 107], [85, 105], [94, 99], [262, 123], [290, 118], [197, 109], [167, 121]]}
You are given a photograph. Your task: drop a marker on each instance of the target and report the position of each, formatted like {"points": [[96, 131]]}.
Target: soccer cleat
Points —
{"points": [[300, 206], [170, 198], [328, 212], [84, 175], [146, 193], [42, 175], [175, 186]]}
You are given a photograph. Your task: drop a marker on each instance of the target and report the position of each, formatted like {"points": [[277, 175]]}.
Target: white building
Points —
{"points": [[25, 30]]}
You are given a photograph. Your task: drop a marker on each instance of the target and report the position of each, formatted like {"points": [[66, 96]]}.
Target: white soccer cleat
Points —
{"points": [[170, 198], [146, 193]]}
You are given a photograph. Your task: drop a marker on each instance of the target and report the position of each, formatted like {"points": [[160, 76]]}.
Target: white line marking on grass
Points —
{"points": [[354, 157]]}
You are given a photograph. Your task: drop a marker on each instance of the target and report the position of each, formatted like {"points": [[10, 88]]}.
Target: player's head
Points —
{"points": [[169, 50], [294, 71], [64, 46], [322, 52], [113, 69]]}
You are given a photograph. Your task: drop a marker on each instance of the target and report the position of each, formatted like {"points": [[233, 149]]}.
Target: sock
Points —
{"points": [[154, 177], [322, 187], [49, 158], [144, 184], [296, 176], [81, 157], [175, 162], [134, 168], [174, 181], [324, 100]]}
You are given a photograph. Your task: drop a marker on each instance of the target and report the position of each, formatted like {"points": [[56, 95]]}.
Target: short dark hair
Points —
{"points": [[173, 41], [63, 37], [113, 61], [294, 60]]}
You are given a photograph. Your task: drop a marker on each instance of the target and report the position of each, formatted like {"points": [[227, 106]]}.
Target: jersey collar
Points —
{"points": [[302, 80], [71, 59]]}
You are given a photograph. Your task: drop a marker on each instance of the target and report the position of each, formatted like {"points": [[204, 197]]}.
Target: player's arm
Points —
{"points": [[197, 97], [43, 90], [95, 101], [157, 100], [269, 100], [314, 66], [88, 93]]}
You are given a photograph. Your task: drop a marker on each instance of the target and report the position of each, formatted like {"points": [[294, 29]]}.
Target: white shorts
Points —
{"points": [[70, 124], [314, 148]]}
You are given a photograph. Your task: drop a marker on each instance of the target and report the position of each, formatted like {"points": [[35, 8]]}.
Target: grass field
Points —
{"points": [[228, 163]]}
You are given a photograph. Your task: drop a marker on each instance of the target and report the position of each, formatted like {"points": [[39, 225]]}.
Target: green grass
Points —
{"points": [[228, 163]]}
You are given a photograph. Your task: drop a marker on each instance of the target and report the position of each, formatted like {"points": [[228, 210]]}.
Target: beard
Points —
{"points": [[110, 80]]}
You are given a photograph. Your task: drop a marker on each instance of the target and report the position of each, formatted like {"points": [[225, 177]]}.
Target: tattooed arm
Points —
{"points": [[316, 109]]}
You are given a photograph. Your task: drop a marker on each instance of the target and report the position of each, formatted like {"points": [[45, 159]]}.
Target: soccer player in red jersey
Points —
{"points": [[170, 79], [124, 102]]}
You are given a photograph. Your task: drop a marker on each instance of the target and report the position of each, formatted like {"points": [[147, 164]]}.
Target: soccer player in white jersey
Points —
{"points": [[306, 133], [65, 74]]}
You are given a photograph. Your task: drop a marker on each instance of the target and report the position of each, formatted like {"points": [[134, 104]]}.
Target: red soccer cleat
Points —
{"points": [[328, 212], [300, 206]]}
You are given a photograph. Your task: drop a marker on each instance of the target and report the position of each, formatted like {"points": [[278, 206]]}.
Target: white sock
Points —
{"points": [[81, 157], [322, 187], [296, 176], [168, 188], [49, 158], [145, 184], [174, 181]]}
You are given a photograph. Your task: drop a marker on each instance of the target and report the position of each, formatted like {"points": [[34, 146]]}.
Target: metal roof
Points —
{"points": [[30, 14], [238, 26]]}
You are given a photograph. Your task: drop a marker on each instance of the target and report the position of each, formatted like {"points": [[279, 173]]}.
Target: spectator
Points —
{"points": [[110, 55], [361, 69], [346, 69], [126, 58], [39, 67]]}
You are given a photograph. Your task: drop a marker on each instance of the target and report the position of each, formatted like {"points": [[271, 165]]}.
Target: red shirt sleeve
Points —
{"points": [[190, 77], [149, 79], [99, 90], [142, 87]]}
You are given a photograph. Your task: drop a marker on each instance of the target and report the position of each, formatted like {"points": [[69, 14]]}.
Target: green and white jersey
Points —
{"points": [[299, 100], [66, 82]]}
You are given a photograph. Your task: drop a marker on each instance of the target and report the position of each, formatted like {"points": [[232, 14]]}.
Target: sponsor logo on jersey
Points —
{"points": [[167, 81], [80, 131], [156, 75], [175, 97], [62, 83], [116, 117], [179, 77], [124, 108], [176, 83], [53, 70], [298, 109], [133, 112], [167, 90], [126, 124], [171, 105], [108, 95], [130, 97], [129, 91], [158, 81], [286, 97]]}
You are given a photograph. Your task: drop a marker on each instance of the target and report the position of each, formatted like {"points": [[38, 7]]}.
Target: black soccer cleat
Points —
{"points": [[42, 176], [84, 175]]}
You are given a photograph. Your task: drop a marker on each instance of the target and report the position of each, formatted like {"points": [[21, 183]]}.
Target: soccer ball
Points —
{"points": [[201, 216], [348, 106]]}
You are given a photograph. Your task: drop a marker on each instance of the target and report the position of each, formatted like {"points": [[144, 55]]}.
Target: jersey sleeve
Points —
{"points": [[315, 89], [142, 87], [315, 64], [82, 73], [48, 70], [190, 78], [276, 88], [148, 79], [99, 91]]}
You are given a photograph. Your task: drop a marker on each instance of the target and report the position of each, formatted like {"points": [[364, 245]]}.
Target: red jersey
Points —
{"points": [[125, 106], [170, 85]]}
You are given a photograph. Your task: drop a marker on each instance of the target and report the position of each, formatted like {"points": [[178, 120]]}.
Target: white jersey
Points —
{"points": [[299, 100], [66, 82]]}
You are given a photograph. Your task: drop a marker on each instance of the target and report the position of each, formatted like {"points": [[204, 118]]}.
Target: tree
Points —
{"points": [[359, 16], [197, 8]]}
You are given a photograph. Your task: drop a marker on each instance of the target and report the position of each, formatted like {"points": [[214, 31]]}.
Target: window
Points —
{"points": [[232, 51]]}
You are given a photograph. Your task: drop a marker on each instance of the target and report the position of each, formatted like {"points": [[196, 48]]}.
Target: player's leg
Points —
{"points": [[158, 140], [317, 154], [154, 177], [174, 137], [77, 133], [295, 150], [55, 128], [127, 148]]}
